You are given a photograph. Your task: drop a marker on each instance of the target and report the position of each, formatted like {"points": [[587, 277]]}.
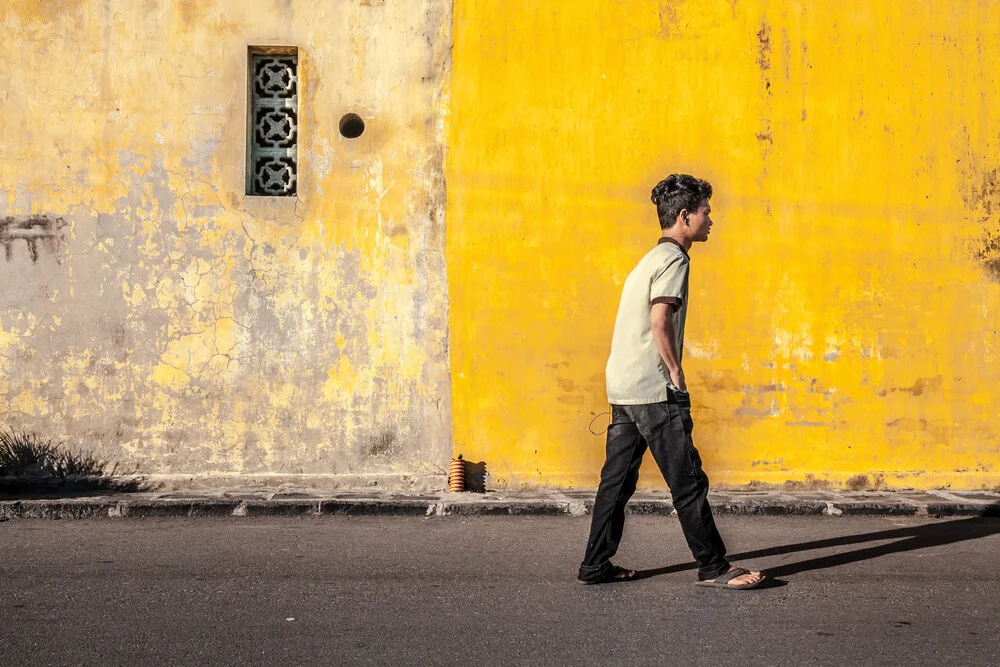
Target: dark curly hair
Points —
{"points": [[677, 192]]}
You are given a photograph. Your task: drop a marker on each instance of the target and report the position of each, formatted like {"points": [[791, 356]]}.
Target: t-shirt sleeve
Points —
{"points": [[668, 283]]}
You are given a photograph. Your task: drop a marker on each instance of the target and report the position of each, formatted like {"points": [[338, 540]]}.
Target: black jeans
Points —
{"points": [[666, 429]]}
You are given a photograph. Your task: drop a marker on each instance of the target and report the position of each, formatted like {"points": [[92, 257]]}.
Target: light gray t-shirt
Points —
{"points": [[635, 373]]}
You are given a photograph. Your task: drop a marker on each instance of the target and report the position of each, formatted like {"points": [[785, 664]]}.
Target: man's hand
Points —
{"points": [[677, 379]]}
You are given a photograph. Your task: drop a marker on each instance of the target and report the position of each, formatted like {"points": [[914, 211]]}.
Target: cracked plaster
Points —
{"points": [[183, 327]]}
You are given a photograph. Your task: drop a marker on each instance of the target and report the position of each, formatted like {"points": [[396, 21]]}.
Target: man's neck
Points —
{"points": [[679, 240]]}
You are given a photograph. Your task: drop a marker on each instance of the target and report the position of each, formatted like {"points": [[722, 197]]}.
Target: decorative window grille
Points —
{"points": [[273, 123]]}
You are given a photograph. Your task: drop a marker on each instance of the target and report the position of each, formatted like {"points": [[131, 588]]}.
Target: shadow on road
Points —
{"points": [[904, 539]]}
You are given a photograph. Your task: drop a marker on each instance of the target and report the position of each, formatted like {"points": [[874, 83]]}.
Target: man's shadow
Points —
{"points": [[906, 539]]}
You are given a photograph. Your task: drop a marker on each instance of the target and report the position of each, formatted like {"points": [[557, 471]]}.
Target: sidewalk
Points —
{"points": [[306, 502]]}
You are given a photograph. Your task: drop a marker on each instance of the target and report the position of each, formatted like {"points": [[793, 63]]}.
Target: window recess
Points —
{"points": [[273, 122]]}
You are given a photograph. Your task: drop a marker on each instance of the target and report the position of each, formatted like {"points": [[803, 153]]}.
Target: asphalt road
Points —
{"points": [[492, 591]]}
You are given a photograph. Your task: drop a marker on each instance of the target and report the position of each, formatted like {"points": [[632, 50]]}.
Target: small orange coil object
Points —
{"points": [[456, 475]]}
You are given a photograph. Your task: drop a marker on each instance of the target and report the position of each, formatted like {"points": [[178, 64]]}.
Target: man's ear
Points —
{"points": [[683, 214]]}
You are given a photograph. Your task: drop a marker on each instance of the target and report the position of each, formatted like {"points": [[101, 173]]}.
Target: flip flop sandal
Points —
{"points": [[722, 581], [614, 574]]}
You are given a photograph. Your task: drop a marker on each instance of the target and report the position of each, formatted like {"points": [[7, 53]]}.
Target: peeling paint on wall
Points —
{"points": [[190, 330]]}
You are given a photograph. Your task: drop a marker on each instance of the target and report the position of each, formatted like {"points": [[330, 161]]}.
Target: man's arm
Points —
{"points": [[662, 323]]}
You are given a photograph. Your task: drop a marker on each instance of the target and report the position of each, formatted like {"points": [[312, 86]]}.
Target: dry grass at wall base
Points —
{"points": [[33, 466]]}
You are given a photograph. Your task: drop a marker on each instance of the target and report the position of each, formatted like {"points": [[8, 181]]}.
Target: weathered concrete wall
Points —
{"points": [[844, 315], [151, 311]]}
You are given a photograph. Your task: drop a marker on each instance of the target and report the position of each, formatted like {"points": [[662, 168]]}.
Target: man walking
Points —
{"points": [[650, 405]]}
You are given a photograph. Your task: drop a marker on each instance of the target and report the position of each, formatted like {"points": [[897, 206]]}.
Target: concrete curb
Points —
{"points": [[466, 505]]}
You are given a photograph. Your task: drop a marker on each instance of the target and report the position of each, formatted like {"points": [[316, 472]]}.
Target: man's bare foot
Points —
{"points": [[735, 578]]}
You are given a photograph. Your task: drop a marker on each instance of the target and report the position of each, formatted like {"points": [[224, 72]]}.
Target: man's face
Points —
{"points": [[699, 222]]}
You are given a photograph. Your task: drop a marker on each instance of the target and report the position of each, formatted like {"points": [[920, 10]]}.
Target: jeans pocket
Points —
{"points": [[652, 418]]}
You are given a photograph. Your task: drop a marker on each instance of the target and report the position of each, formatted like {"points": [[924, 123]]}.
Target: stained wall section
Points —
{"points": [[844, 315], [152, 312]]}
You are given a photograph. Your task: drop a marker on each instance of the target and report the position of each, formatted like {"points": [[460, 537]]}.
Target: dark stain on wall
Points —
{"points": [[984, 192], [981, 195], [383, 444], [810, 483], [921, 385], [34, 230], [857, 483], [988, 255], [764, 50], [926, 384], [764, 136], [864, 483], [984, 196]]}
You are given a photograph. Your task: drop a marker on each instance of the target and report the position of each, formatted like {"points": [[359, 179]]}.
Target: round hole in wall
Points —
{"points": [[351, 126]]}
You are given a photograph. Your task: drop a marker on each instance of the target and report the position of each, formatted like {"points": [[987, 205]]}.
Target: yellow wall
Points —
{"points": [[177, 326], [844, 315]]}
